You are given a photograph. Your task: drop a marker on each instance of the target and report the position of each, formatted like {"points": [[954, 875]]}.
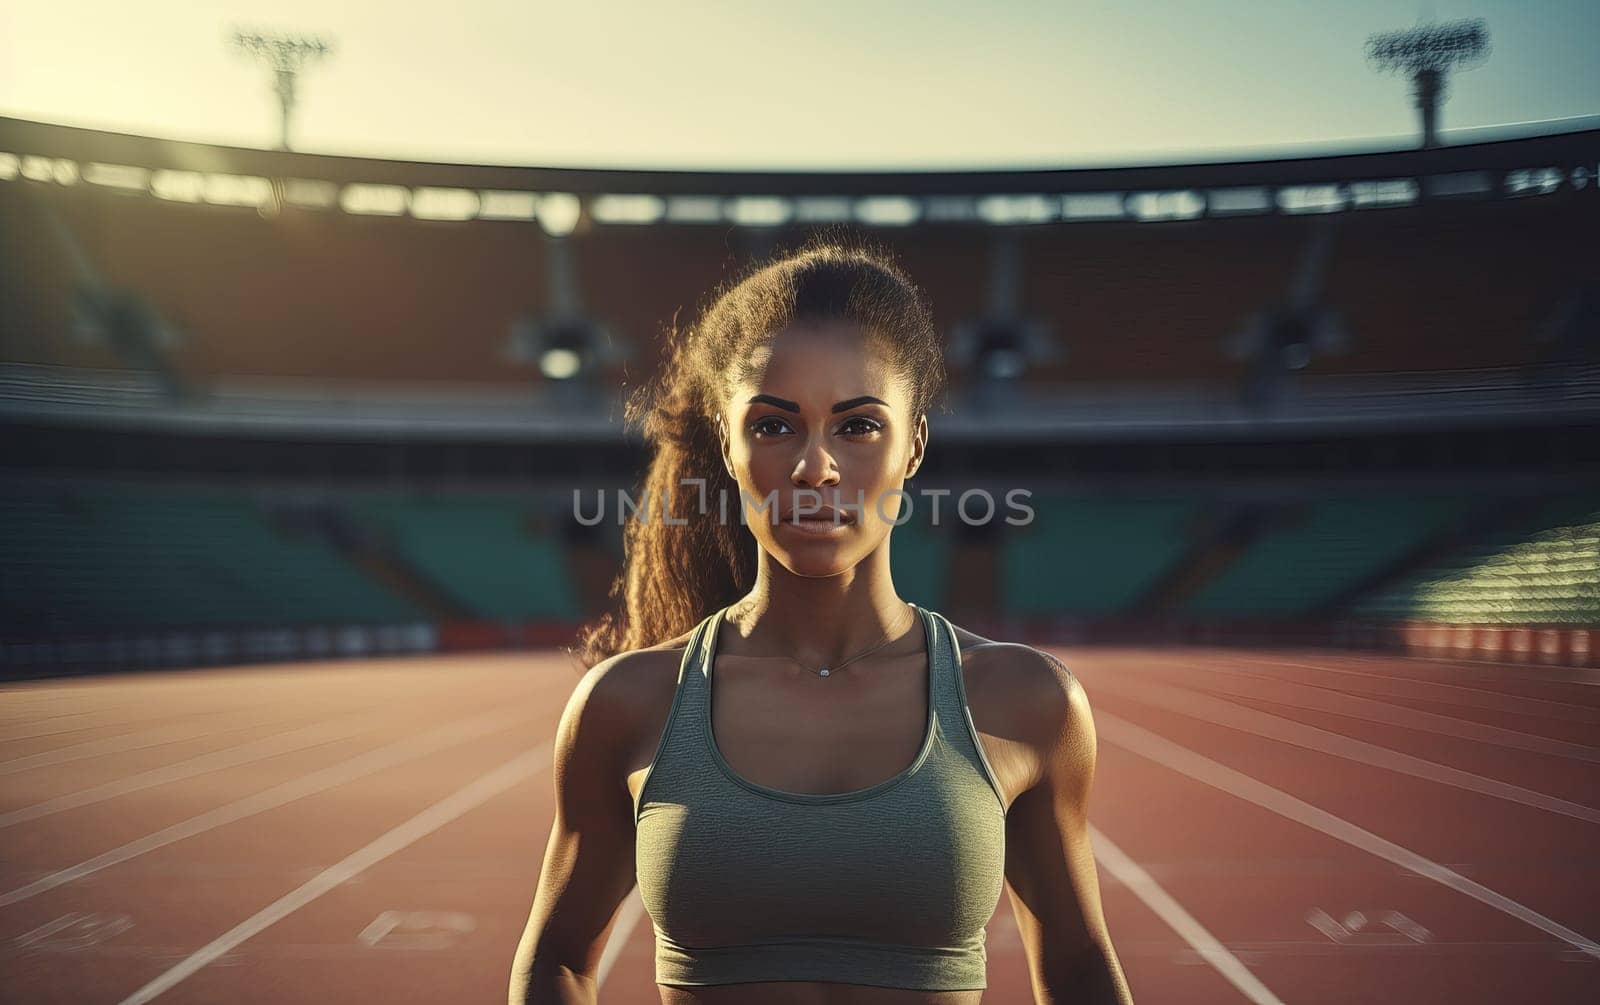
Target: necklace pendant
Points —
{"points": [[823, 672]]}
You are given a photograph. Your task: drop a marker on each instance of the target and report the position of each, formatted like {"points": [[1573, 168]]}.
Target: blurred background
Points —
{"points": [[267, 403], [315, 323]]}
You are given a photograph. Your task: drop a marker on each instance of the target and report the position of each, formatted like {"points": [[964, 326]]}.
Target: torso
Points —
{"points": [[862, 728]]}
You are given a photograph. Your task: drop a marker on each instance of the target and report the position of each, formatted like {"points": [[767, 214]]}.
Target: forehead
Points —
{"points": [[829, 360]]}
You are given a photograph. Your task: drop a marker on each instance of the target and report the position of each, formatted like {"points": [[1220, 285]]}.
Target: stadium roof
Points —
{"points": [[1575, 150]]}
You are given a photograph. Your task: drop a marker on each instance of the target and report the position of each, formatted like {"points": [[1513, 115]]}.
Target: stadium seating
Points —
{"points": [[412, 316], [1090, 557], [329, 294], [1544, 571], [481, 550], [1154, 302], [1454, 287], [85, 556], [1292, 570], [306, 293]]}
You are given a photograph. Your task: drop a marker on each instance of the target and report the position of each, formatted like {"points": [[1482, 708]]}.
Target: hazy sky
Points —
{"points": [[865, 84]]}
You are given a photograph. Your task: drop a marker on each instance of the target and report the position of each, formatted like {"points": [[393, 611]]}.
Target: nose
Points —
{"points": [[815, 467]]}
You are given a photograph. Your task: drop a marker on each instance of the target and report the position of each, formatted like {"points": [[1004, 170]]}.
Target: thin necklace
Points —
{"points": [[827, 671]]}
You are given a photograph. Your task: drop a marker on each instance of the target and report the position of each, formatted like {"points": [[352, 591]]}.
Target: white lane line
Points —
{"points": [[458, 803], [1132, 875], [136, 740], [1195, 705], [410, 748], [1203, 769], [632, 911], [228, 757], [1315, 698], [43, 715], [43, 728], [1450, 694]]}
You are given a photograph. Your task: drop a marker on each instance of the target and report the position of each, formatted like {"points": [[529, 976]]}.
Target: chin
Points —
{"points": [[817, 560], [816, 570]]}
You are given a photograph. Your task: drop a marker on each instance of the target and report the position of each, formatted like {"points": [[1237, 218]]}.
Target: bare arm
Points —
{"points": [[1050, 869], [588, 861]]}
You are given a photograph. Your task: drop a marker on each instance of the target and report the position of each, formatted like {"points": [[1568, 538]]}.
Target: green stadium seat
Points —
{"points": [[1546, 570], [482, 550], [1293, 571], [88, 556], [1090, 557]]}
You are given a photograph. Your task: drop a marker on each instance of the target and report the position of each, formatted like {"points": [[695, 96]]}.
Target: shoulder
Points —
{"points": [[619, 700], [1028, 684], [1025, 693]]}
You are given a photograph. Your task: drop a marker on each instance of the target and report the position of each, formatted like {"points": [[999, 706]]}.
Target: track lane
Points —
{"points": [[1255, 878], [1249, 877], [183, 896], [1466, 830], [1445, 824]]}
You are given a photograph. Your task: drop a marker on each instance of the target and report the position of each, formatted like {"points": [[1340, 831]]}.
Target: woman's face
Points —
{"points": [[825, 413]]}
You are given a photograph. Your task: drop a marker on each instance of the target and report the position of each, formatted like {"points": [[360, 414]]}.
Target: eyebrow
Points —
{"points": [[790, 406]]}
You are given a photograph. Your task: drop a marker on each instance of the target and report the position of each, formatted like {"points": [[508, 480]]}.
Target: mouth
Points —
{"points": [[827, 516]]}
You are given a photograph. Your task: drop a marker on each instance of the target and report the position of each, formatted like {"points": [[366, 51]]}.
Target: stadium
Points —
{"points": [[296, 445]]}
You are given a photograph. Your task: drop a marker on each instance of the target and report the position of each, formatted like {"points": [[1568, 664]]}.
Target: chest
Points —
{"points": [[811, 735], [801, 733]]}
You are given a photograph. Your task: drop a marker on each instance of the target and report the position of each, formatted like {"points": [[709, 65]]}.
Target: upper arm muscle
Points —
{"points": [[1050, 869], [588, 860]]}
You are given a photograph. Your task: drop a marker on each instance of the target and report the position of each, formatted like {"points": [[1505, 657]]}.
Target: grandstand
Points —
{"points": [[264, 404]]}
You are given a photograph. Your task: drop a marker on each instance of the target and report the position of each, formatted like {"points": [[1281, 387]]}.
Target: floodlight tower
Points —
{"points": [[1426, 54], [286, 55]]}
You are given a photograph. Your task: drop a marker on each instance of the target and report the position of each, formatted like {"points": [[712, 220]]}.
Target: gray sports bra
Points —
{"points": [[890, 885]]}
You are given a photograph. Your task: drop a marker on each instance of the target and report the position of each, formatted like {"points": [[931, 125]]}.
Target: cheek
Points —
{"points": [[884, 495], [883, 509], [889, 471], [764, 469]]}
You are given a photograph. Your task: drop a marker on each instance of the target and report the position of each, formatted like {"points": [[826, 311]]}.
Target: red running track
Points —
{"points": [[1293, 826]]}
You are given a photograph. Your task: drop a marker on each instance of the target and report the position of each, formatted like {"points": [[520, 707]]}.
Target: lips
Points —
{"points": [[827, 514]]}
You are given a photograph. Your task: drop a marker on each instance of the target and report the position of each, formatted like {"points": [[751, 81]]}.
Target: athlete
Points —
{"points": [[819, 789]]}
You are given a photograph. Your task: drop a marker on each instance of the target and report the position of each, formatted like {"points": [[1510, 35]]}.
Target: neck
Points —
{"points": [[821, 621]]}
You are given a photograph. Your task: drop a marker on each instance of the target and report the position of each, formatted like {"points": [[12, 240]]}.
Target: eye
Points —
{"points": [[862, 425], [762, 427]]}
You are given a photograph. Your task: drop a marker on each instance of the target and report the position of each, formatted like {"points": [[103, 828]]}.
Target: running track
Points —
{"points": [[1290, 826]]}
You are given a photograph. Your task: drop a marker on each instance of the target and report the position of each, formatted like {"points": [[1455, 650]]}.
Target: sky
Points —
{"points": [[809, 86]]}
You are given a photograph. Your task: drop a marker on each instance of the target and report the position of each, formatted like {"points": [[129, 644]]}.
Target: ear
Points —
{"points": [[919, 445], [722, 447]]}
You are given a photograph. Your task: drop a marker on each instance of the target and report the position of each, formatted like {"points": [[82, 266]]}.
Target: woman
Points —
{"points": [[840, 829]]}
